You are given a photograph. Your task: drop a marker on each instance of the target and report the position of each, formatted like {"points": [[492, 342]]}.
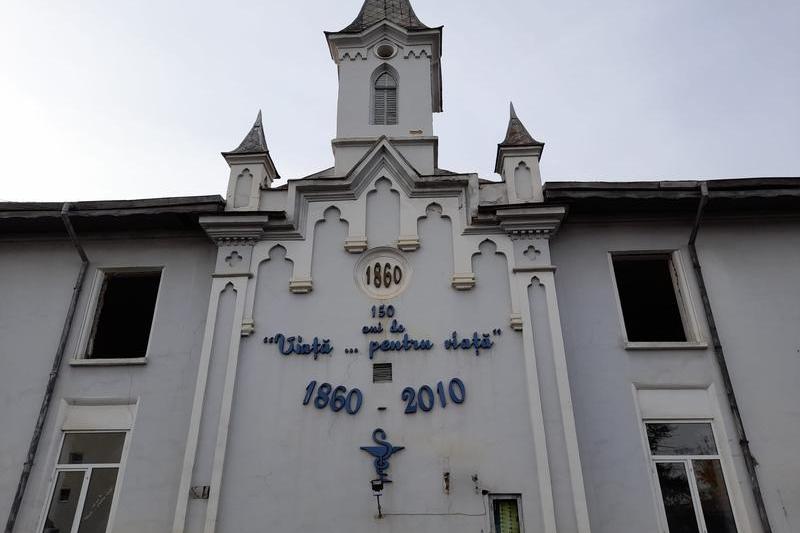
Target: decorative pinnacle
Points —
{"points": [[517, 134], [254, 142]]}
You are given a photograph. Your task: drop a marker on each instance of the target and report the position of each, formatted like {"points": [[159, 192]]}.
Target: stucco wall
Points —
{"points": [[413, 96], [750, 270], [291, 467], [36, 280]]}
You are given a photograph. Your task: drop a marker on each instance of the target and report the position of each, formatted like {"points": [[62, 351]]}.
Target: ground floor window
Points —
{"points": [[85, 481], [690, 477], [506, 513]]}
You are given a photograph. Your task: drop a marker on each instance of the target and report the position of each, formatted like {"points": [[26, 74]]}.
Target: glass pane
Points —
{"points": [[66, 494], [677, 498], [98, 501], [714, 496], [506, 516], [83, 448], [681, 439]]}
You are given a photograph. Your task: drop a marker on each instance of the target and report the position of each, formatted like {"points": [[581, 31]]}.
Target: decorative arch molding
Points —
{"points": [[382, 160], [417, 54], [330, 214], [382, 69], [227, 286], [263, 253], [353, 56]]}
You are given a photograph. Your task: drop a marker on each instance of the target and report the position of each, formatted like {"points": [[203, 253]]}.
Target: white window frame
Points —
{"points": [[687, 460], [87, 469], [501, 496], [90, 417], [81, 357], [689, 405], [694, 340]]}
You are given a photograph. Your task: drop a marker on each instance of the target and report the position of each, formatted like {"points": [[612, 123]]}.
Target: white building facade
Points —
{"points": [[389, 346]]}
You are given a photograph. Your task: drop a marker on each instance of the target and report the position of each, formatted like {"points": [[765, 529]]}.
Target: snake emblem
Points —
{"points": [[382, 452]]}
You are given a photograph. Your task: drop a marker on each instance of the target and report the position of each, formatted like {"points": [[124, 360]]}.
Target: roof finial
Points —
{"points": [[254, 142], [517, 134]]}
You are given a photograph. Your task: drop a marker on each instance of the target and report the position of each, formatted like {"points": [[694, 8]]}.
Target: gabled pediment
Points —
{"points": [[383, 159]]}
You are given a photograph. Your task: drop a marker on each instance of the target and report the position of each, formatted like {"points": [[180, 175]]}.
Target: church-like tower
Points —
{"points": [[390, 84]]}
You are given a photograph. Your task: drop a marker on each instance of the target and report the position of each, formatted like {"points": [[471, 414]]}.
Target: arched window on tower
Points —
{"points": [[384, 99]]}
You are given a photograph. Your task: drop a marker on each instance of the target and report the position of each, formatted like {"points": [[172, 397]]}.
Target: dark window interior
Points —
{"points": [[649, 303], [506, 516], [677, 497], [124, 315], [382, 372]]}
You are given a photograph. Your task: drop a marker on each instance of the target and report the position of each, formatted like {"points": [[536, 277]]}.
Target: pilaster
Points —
{"points": [[235, 237], [531, 228]]}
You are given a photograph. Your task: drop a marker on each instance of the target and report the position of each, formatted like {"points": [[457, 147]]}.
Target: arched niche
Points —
{"points": [[383, 214], [523, 181], [331, 264], [492, 287], [435, 231], [243, 189]]}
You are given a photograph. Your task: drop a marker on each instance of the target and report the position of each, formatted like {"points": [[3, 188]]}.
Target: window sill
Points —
{"points": [[132, 361], [691, 345]]}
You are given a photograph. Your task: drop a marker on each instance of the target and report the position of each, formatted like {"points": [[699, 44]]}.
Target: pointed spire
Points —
{"points": [[517, 135], [399, 12], [254, 142]]}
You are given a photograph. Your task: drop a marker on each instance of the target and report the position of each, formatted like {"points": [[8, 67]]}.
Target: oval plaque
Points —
{"points": [[382, 273]]}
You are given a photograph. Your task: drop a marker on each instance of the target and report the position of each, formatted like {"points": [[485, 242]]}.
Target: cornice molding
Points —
{"points": [[234, 230], [531, 222]]}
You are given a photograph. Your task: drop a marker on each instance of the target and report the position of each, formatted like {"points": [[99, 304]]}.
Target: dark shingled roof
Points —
{"points": [[517, 135], [399, 12], [254, 142]]}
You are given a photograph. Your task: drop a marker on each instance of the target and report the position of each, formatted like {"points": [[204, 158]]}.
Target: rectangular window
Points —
{"points": [[382, 372], [650, 297], [123, 317], [690, 478], [85, 483], [506, 513]]}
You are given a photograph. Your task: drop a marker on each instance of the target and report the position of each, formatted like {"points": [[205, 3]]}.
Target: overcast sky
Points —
{"points": [[104, 99]]}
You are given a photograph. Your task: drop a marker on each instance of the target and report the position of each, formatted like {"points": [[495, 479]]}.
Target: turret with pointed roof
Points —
{"points": [[254, 142], [252, 169], [517, 135], [517, 162]]}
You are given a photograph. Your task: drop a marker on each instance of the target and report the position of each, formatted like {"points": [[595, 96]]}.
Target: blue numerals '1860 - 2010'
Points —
{"points": [[425, 397], [337, 398]]}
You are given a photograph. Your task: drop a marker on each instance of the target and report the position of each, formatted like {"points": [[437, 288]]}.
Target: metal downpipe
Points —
{"points": [[27, 467], [719, 353]]}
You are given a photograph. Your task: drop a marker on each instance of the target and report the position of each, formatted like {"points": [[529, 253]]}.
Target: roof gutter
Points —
{"points": [[719, 352], [27, 467]]}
